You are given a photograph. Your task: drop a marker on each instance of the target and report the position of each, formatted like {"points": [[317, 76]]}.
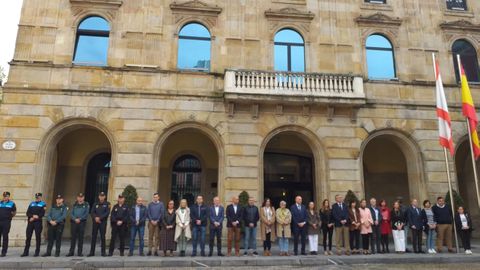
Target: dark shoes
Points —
{"points": [[24, 255], [47, 255], [90, 255], [70, 254]]}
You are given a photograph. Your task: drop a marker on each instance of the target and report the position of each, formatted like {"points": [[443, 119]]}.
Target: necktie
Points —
{"points": [[298, 206], [416, 210], [341, 207], [199, 213]]}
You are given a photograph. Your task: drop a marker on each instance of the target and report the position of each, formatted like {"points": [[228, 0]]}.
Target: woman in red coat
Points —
{"points": [[385, 226]]}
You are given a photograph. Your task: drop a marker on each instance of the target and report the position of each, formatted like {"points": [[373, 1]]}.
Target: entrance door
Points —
{"points": [[98, 172], [186, 179]]}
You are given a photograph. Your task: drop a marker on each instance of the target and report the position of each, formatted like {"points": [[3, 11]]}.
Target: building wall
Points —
{"points": [[140, 98]]}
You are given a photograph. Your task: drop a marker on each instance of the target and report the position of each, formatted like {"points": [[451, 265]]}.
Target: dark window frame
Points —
{"points": [[289, 46], [451, 5], [392, 49], [455, 61], [187, 37], [89, 33]]}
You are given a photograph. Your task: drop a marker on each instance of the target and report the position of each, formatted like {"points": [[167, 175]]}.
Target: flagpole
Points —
{"points": [[447, 167], [451, 198], [475, 175]]}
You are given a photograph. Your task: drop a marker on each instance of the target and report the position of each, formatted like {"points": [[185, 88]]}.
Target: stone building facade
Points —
{"points": [[239, 125]]}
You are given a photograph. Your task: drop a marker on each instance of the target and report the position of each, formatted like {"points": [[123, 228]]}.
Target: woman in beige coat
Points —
{"points": [[267, 226], [284, 218], [182, 230]]}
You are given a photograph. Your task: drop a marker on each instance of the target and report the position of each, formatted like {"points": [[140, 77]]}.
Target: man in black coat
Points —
{"points": [[100, 212], [198, 217], [299, 225], [118, 221], [35, 214], [415, 221], [251, 217], [341, 220], [234, 218]]}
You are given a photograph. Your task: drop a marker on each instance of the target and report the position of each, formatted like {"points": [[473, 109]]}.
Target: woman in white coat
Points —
{"points": [[183, 232]]}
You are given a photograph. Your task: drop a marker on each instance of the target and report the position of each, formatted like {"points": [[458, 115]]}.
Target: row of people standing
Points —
{"points": [[169, 228]]}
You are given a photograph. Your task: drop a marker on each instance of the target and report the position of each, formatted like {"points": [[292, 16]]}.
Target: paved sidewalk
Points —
{"points": [[378, 261]]}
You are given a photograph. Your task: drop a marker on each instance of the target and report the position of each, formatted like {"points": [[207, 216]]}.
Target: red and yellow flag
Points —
{"points": [[469, 112]]}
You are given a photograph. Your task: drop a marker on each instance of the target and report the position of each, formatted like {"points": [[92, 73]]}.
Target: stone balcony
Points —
{"points": [[252, 86]]}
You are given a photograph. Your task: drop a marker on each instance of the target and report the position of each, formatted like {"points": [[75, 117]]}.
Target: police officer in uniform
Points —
{"points": [[78, 221], [8, 210], [100, 212], [56, 222], [118, 220], [35, 213]]}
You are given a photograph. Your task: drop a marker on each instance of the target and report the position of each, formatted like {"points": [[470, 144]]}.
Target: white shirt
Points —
{"points": [[235, 208], [376, 213], [464, 220], [216, 210]]}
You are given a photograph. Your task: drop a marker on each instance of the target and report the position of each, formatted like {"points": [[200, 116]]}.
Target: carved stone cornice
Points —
{"points": [[460, 26], [195, 7], [107, 8], [378, 19], [289, 13], [207, 14]]}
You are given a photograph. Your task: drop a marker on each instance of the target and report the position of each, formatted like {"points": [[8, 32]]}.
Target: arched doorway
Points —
{"points": [[466, 180], [189, 166], [288, 169], [72, 156], [392, 168]]}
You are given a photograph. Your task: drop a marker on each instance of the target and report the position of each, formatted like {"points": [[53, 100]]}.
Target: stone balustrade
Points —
{"points": [[252, 82]]}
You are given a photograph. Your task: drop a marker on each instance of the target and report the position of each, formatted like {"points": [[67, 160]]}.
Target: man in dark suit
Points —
{"points": [[234, 216], [299, 221], [216, 224], [377, 220], [198, 217], [340, 218], [415, 221]]}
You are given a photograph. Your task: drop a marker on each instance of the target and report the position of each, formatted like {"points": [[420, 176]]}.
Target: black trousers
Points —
{"points": [[327, 232], [375, 238], [267, 244], [366, 241], [55, 235], [36, 227], [385, 247], [355, 239], [302, 234], [417, 240], [77, 231], [466, 235], [4, 231], [121, 232], [216, 232], [102, 227]]}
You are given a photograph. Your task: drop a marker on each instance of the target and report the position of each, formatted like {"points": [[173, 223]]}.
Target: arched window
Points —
{"points": [[289, 51], [194, 43], [91, 46], [380, 58], [186, 178], [468, 56]]}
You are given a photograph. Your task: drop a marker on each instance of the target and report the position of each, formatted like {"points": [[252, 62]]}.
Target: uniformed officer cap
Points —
{"points": [[38, 195], [80, 194], [6, 194], [120, 196], [59, 196], [101, 194]]}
